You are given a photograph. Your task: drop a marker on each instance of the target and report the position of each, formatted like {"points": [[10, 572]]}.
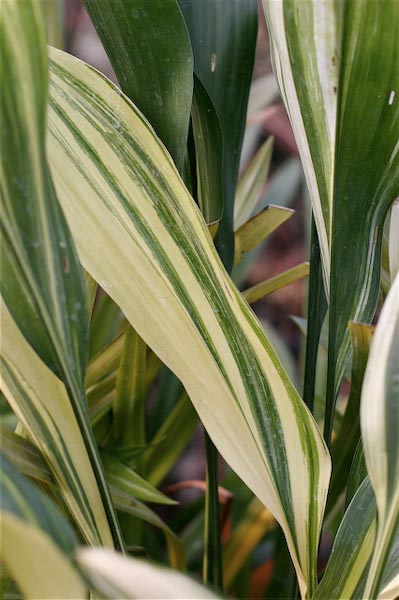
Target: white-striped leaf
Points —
{"points": [[40, 401], [141, 236], [37, 565], [41, 282], [37, 540], [337, 67], [350, 560], [120, 577], [379, 419]]}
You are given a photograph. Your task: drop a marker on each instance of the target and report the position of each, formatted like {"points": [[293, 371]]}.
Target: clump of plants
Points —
{"points": [[124, 226]]}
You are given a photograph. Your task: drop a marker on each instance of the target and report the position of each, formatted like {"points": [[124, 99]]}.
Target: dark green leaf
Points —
{"points": [[223, 38], [149, 49]]}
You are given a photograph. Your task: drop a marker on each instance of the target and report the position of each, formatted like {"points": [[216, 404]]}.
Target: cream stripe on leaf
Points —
{"points": [[379, 419], [39, 400], [337, 65], [41, 282], [141, 236]]}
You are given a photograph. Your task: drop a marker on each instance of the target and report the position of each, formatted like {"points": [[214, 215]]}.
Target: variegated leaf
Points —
{"points": [[337, 67], [141, 236]]}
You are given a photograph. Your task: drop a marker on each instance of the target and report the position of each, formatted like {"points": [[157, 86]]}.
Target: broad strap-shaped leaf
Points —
{"points": [[223, 38], [42, 282], [379, 417], [37, 540], [131, 578], [140, 233], [337, 67], [347, 567], [26, 501], [350, 560], [40, 402], [36, 564], [149, 48]]}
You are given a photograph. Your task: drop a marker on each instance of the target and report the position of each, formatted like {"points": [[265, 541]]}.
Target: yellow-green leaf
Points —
{"points": [[142, 237]]}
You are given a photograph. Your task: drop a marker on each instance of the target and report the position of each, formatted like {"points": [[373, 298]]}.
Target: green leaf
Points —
{"points": [[348, 435], [106, 360], [223, 38], [40, 401], [23, 499], [125, 503], [252, 183], [357, 473], [258, 291], [337, 70], [394, 241], [42, 282], [37, 565], [350, 560], [129, 403], [37, 540], [134, 221], [209, 154], [249, 235], [121, 577], [149, 49], [379, 416], [125, 479], [24, 456], [171, 439], [353, 545]]}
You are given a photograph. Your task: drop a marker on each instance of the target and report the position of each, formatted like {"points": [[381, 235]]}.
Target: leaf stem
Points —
{"points": [[212, 566]]}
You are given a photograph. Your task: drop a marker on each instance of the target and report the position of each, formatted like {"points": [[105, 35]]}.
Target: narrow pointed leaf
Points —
{"points": [[379, 414], [252, 183], [260, 290], [171, 439], [394, 240], [223, 38], [122, 477], [106, 360], [209, 153], [254, 525], [348, 435], [134, 221], [337, 70], [129, 402], [125, 503], [249, 235], [149, 49], [24, 456]]}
